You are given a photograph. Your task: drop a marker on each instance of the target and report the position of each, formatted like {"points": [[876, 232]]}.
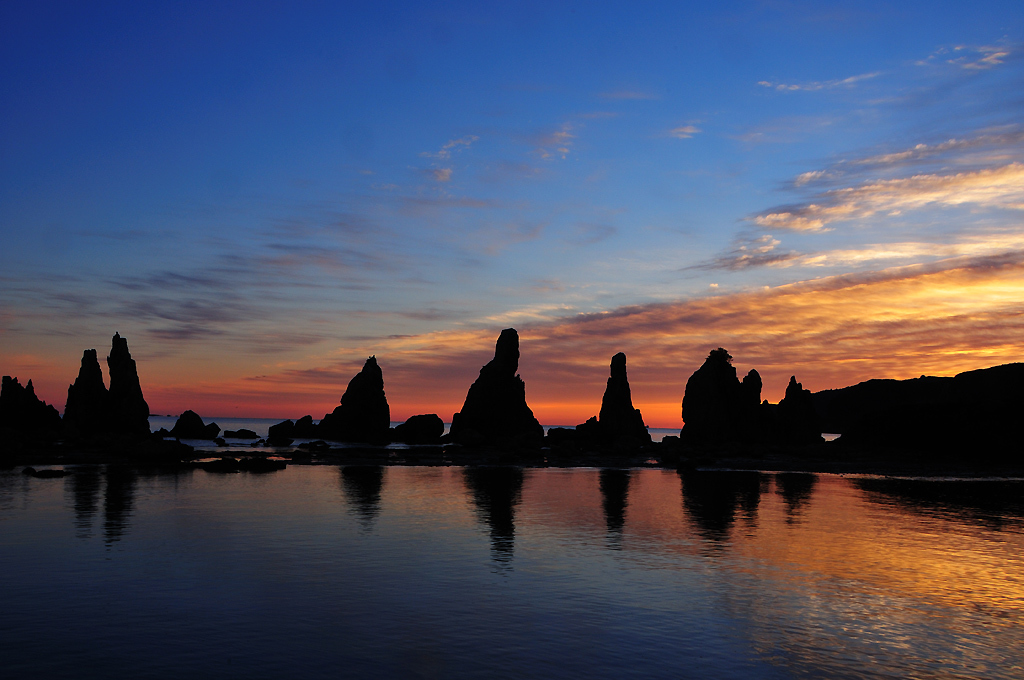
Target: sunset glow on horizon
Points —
{"points": [[260, 197]]}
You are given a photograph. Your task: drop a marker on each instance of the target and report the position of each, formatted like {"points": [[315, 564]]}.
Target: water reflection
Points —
{"points": [[992, 504], [496, 492], [362, 485], [614, 498], [84, 488], [117, 502], [796, 489], [711, 499]]}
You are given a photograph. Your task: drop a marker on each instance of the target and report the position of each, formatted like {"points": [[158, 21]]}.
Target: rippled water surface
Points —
{"points": [[503, 572]]}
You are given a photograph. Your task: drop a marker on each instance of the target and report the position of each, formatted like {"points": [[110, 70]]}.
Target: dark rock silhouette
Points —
{"points": [[614, 486], [190, 426], [496, 492], [281, 434], [423, 429], [129, 412], [241, 434], [712, 499], [22, 411], [87, 410], [363, 485], [364, 414], [796, 420], [305, 428], [495, 411], [973, 411], [619, 425], [717, 408]]}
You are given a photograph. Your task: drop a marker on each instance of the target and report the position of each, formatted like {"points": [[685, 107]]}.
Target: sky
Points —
{"points": [[261, 195]]}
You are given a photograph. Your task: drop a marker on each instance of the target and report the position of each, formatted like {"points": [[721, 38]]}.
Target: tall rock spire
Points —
{"points": [[364, 414], [129, 412]]}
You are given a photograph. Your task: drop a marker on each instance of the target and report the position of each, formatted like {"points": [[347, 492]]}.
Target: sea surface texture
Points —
{"points": [[405, 572]]}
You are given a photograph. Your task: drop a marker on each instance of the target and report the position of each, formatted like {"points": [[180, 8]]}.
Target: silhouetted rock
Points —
{"points": [[129, 412], [717, 408], [87, 409], [423, 429], [796, 421], [240, 434], [973, 412], [364, 414], [22, 411], [305, 428], [495, 410], [283, 430], [190, 426], [619, 424]]}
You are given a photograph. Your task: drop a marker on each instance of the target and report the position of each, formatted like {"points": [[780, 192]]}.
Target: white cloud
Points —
{"points": [[814, 86], [684, 131]]}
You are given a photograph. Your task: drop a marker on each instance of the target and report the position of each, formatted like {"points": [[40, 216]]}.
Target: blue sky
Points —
{"points": [[259, 189]]}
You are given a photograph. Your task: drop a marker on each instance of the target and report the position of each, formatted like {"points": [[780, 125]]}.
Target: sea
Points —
{"points": [[506, 572]]}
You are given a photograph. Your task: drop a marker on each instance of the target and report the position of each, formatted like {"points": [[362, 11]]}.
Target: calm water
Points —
{"points": [[491, 572]]}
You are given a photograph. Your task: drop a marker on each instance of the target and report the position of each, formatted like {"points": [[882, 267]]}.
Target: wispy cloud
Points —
{"points": [[750, 252], [815, 86], [588, 234], [451, 146], [442, 174], [971, 58], [684, 131], [1001, 187], [627, 95], [555, 142]]}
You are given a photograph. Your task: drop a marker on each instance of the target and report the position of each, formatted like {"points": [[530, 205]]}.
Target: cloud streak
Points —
{"points": [[815, 86], [1001, 187]]}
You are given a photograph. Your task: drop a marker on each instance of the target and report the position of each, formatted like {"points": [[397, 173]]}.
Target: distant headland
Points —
{"points": [[966, 424]]}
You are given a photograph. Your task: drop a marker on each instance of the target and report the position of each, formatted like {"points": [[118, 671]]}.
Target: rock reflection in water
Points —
{"points": [[992, 504], [796, 489], [84, 489], [614, 497], [117, 503], [496, 492], [362, 485], [711, 499]]}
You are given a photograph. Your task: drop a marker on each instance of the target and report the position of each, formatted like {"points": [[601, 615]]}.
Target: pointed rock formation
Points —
{"points": [[87, 408], [364, 414], [796, 419], [717, 407], [495, 411], [190, 426], [22, 411], [129, 412], [619, 421]]}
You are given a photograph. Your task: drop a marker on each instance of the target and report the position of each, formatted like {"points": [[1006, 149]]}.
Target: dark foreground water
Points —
{"points": [[508, 573]]}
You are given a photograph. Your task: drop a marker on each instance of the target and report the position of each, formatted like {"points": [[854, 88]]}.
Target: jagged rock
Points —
{"points": [[283, 430], [423, 429], [718, 408], [129, 412], [305, 428], [22, 411], [796, 420], [619, 423], [495, 411], [190, 426], [364, 414], [240, 434], [87, 410]]}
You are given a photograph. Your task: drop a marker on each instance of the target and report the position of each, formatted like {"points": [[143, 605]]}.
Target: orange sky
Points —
{"points": [[937, 319]]}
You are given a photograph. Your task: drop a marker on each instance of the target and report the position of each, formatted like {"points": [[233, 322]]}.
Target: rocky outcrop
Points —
{"points": [[129, 412], [190, 426], [242, 433], [423, 429], [495, 411], [22, 411], [717, 408], [974, 412], [619, 423], [87, 411], [364, 414], [796, 422]]}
